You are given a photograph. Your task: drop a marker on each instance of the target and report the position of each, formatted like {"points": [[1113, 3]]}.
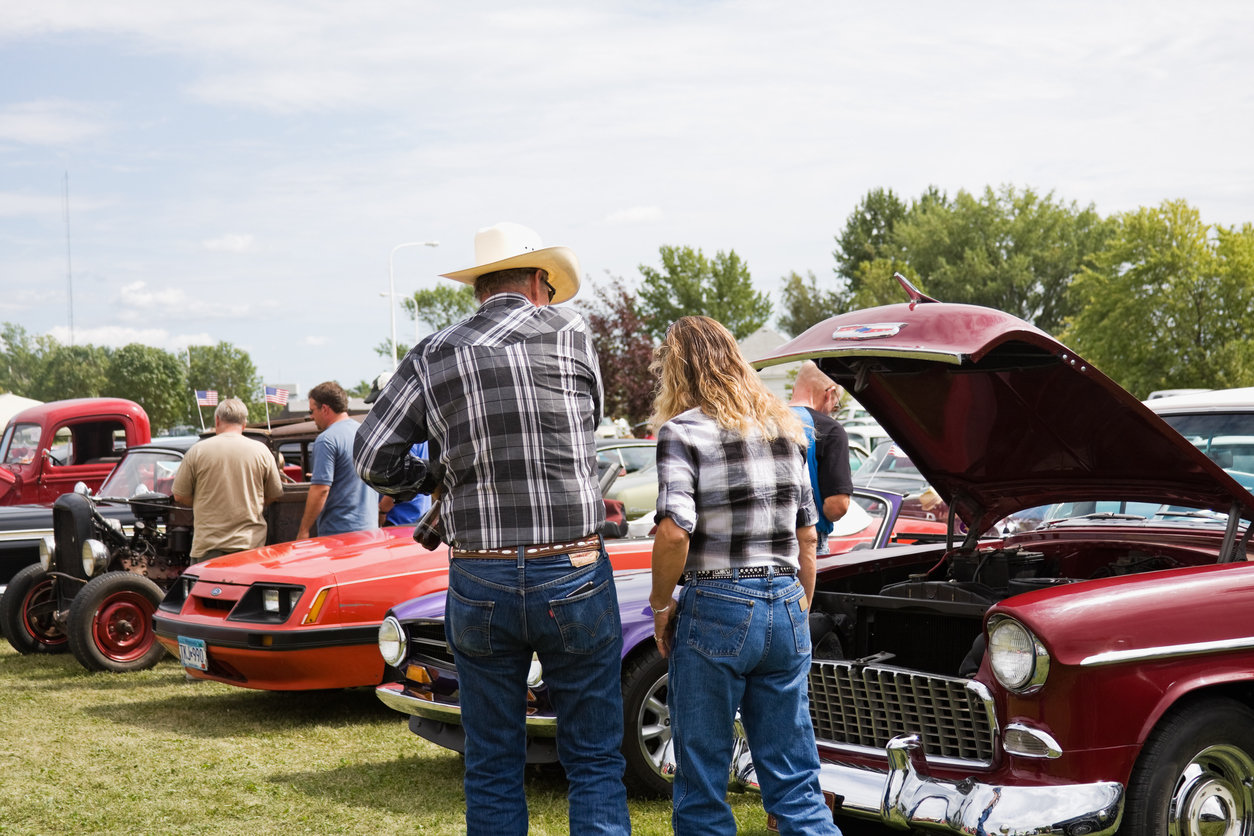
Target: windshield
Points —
{"points": [[21, 443], [1227, 438], [141, 472]]}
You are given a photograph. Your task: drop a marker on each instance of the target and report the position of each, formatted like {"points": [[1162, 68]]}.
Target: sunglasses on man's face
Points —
{"points": [[551, 289]]}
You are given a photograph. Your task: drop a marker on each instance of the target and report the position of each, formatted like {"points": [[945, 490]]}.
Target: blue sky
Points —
{"points": [[241, 171]]}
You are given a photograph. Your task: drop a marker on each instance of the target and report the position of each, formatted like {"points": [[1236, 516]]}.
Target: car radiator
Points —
{"points": [[865, 706]]}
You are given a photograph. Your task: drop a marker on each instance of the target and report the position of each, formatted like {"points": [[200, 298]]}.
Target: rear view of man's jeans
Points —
{"points": [[499, 611]]}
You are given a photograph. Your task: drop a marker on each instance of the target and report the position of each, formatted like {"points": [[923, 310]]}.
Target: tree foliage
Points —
{"points": [[625, 349], [154, 379], [442, 305], [229, 371], [688, 283], [1168, 303], [1009, 249], [803, 303]]}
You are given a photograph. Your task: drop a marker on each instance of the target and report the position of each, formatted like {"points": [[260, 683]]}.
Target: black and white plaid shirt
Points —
{"points": [[741, 499], [510, 398]]}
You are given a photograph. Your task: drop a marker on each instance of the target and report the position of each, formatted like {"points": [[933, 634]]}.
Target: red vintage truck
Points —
{"points": [[47, 449]]}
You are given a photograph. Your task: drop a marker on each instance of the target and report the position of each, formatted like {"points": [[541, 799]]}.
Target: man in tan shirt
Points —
{"points": [[228, 479]]}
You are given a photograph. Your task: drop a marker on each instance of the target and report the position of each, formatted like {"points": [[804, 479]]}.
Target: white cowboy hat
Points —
{"points": [[507, 245]]}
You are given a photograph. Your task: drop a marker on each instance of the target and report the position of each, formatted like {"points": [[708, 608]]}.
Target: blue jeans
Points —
{"points": [[743, 643], [499, 611]]}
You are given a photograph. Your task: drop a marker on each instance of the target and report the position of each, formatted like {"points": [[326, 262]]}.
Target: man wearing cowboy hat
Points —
{"points": [[509, 398]]}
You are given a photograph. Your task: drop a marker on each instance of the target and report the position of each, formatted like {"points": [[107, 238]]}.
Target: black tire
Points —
{"points": [[646, 724], [1194, 768], [110, 624], [26, 613]]}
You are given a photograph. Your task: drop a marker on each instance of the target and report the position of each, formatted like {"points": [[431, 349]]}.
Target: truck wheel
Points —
{"points": [[27, 610], [646, 724], [1193, 776], [110, 623]]}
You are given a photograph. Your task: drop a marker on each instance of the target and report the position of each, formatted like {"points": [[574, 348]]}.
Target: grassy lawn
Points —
{"points": [[153, 753]]}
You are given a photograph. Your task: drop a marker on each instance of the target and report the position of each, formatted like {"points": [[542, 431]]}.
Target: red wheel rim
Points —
{"points": [[122, 628], [38, 608]]}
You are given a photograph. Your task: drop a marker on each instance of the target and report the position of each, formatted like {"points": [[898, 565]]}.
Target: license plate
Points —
{"points": [[192, 653]]}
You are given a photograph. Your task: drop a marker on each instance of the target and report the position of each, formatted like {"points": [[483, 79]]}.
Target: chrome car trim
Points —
{"points": [[25, 534], [397, 697], [864, 706], [906, 796], [1048, 744], [1169, 651]]}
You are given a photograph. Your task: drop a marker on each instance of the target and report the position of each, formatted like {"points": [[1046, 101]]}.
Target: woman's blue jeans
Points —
{"points": [[499, 612], [744, 643]]}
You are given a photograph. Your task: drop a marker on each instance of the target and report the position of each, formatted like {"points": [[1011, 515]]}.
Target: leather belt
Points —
{"points": [[546, 550], [728, 574]]}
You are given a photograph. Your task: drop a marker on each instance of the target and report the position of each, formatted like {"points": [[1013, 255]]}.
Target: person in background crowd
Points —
{"points": [[510, 398], [409, 511], [227, 479], [735, 516], [338, 500], [814, 397]]}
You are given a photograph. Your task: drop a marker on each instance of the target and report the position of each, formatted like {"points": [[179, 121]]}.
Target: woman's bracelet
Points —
{"points": [[659, 612]]}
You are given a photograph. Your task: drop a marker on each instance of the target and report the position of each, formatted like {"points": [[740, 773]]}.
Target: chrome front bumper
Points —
{"points": [[395, 696], [906, 796]]}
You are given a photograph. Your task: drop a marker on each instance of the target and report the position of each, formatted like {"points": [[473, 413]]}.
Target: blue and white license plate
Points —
{"points": [[192, 653]]}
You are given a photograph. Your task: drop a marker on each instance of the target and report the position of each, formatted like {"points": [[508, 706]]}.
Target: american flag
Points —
{"points": [[276, 394], [206, 397]]}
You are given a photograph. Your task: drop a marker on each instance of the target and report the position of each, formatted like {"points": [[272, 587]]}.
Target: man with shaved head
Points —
{"points": [[814, 397]]}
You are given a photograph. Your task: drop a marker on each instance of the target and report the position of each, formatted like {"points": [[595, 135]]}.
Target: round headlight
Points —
{"points": [[392, 642], [1018, 660], [47, 547], [95, 557]]}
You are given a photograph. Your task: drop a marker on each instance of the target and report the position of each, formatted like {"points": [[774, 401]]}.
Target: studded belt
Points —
{"points": [[728, 574], [546, 550]]}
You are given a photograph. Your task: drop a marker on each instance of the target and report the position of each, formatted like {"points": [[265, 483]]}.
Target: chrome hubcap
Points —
{"points": [[1214, 795], [654, 723]]}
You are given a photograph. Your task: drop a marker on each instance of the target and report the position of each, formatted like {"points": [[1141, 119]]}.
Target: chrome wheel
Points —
{"points": [[1213, 795]]}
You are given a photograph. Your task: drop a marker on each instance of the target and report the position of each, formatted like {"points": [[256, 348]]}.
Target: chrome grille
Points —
{"points": [[867, 706], [427, 641]]}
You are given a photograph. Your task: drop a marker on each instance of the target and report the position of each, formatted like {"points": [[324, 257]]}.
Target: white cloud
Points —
{"points": [[49, 123], [315, 340], [635, 215], [229, 243], [116, 336], [137, 301]]}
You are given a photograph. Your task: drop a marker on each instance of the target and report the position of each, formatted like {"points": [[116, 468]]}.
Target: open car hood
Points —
{"points": [[999, 416]]}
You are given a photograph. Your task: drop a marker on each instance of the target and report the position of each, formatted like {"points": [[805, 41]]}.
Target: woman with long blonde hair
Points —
{"points": [[736, 528]]}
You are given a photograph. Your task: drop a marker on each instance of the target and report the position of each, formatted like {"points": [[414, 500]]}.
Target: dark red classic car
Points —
{"points": [[1094, 675]]}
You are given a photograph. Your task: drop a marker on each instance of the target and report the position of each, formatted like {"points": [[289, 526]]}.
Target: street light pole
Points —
{"points": [[392, 289]]}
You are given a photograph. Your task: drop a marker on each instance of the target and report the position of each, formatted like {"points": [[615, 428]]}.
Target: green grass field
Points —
{"points": [[152, 753]]}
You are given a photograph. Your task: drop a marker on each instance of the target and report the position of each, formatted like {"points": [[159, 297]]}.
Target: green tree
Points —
{"points": [[229, 371], [624, 349], [868, 253], [22, 360], [73, 371], [803, 303], [1007, 249], [154, 379], [867, 230], [1168, 303], [689, 283], [442, 305]]}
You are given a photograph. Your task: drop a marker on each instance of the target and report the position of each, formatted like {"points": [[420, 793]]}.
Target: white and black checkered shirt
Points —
{"points": [[509, 399], [741, 499]]}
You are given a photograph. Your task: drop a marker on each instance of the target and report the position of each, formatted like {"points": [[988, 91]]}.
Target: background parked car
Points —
{"points": [[98, 583]]}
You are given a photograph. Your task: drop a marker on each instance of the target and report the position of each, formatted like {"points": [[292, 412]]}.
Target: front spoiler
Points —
{"points": [[907, 796]]}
